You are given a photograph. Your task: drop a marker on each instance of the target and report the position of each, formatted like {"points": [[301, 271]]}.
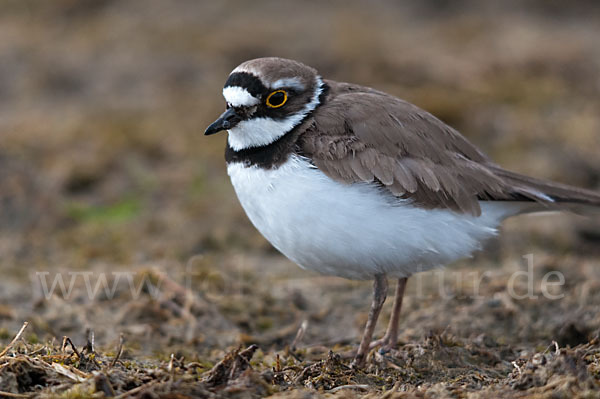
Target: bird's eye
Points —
{"points": [[276, 99]]}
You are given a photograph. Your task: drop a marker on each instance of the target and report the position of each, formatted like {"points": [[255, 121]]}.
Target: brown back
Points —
{"points": [[361, 134]]}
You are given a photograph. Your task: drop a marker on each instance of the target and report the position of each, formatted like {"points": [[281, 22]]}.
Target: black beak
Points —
{"points": [[226, 121]]}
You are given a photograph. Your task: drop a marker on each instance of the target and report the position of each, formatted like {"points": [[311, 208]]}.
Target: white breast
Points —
{"points": [[354, 231]]}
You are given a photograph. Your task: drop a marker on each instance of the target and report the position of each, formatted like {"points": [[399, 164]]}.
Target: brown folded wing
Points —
{"points": [[366, 135]]}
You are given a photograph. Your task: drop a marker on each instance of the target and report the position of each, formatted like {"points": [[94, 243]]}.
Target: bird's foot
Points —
{"points": [[358, 362], [384, 344]]}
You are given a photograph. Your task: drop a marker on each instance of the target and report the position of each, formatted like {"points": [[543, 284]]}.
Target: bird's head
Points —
{"points": [[266, 98]]}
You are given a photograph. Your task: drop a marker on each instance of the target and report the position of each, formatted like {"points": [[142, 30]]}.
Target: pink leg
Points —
{"points": [[380, 287], [390, 339]]}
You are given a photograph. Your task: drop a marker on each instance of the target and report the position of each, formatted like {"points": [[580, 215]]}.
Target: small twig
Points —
{"points": [[67, 340], [89, 346], [15, 339], [517, 367], [277, 367], [242, 360], [135, 390], [195, 365], [38, 351], [299, 334], [13, 395], [556, 348], [170, 366], [359, 387], [119, 351]]}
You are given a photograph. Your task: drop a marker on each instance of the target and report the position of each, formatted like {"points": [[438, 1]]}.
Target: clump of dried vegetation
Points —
{"points": [[441, 365]]}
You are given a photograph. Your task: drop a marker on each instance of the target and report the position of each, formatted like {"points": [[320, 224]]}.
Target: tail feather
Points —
{"points": [[551, 194]]}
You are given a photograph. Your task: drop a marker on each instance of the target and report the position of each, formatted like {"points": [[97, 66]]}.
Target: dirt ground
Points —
{"points": [[119, 229]]}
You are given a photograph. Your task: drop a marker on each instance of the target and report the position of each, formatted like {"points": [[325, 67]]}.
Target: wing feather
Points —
{"points": [[365, 135]]}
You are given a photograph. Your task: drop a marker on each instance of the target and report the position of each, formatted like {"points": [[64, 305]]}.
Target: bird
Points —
{"points": [[353, 182]]}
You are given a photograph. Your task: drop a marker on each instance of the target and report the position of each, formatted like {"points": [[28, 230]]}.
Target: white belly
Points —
{"points": [[355, 231]]}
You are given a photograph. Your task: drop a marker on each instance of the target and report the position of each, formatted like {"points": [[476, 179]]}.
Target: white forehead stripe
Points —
{"points": [[239, 97], [294, 83]]}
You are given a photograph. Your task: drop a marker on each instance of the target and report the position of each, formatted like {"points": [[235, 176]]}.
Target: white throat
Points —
{"points": [[258, 132]]}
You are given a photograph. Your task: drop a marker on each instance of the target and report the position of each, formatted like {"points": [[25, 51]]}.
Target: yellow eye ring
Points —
{"points": [[277, 98]]}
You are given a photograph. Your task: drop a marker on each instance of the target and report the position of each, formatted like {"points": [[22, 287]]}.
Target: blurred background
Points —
{"points": [[104, 166]]}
